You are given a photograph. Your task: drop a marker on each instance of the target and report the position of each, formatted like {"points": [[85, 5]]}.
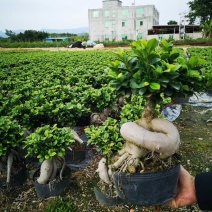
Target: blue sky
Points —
{"points": [[69, 14]]}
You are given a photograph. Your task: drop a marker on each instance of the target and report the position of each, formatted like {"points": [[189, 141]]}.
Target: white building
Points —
{"points": [[117, 22]]}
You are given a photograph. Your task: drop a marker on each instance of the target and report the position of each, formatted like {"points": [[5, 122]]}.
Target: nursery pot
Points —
{"points": [[147, 189], [17, 179], [52, 188], [75, 156]]}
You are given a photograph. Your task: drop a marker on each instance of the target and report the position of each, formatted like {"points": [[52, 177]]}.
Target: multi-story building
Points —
{"points": [[117, 22]]}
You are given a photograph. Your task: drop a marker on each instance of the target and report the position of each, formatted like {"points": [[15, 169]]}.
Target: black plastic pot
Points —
{"points": [[17, 179], [53, 188], [147, 189], [75, 156]]}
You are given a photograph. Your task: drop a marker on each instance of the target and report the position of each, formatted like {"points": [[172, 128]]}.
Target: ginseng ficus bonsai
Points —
{"points": [[49, 143], [11, 139], [152, 71]]}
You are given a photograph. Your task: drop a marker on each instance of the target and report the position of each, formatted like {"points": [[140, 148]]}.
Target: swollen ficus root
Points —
{"points": [[50, 168], [103, 171], [163, 138], [158, 135]]}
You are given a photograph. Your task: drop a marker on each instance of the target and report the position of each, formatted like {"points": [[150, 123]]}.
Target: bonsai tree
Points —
{"points": [[49, 143], [152, 72], [11, 138]]}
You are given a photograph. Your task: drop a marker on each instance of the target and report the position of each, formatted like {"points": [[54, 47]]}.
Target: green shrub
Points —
{"points": [[60, 204], [48, 141], [11, 134], [106, 137]]}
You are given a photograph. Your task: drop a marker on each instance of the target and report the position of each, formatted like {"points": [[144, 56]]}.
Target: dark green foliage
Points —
{"points": [[60, 204], [27, 36], [46, 142], [153, 70], [106, 138], [172, 22], [200, 9], [11, 135]]}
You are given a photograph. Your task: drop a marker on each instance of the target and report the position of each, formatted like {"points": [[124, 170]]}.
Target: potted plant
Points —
{"points": [[12, 165], [48, 144], [150, 143]]}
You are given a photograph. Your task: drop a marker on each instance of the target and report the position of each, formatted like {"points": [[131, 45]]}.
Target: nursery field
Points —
{"points": [[68, 88]]}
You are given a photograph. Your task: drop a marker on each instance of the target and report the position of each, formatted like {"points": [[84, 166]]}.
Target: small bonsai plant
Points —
{"points": [[49, 143], [11, 138], [152, 72]]}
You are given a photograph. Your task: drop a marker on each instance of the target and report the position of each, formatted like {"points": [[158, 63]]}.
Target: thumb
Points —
{"points": [[172, 203]]}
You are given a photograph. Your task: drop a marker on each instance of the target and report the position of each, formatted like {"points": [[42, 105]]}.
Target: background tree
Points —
{"points": [[27, 36], [200, 9], [207, 29], [172, 22], [10, 34]]}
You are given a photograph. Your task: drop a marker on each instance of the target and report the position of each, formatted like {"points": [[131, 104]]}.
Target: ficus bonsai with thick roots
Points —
{"points": [[49, 144], [11, 139], [150, 71]]}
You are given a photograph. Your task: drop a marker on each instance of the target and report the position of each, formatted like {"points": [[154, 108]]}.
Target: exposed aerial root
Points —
{"points": [[141, 137]]}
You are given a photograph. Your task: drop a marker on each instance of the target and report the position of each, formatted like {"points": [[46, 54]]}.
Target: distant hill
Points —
{"points": [[79, 31]]}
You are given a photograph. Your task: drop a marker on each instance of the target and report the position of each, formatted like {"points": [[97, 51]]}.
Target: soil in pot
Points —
{"points": [[53, 188]]}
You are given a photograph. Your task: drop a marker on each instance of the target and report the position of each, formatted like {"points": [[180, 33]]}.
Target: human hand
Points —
{"points": [[186, 191]]}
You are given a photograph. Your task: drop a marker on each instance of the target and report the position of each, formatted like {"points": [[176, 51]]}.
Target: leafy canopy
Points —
{"points": [[200, 9], [155, 70], [47, 141]]}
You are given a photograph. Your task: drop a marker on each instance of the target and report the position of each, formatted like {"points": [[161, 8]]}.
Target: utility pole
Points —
{"points": [[134, 20], [182, 19]]}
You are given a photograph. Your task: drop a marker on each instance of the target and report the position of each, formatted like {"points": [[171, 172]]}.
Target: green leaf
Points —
{"points": [[155, 86], [137, 74], [112, 74], [164, 80], [175, 85], [120, 76], [52, 153], [141, 91], [46, 133], [186, 87], [193, 61], [134, 85], [146, 83], [194, 74], [174, 56], [151, 45]]}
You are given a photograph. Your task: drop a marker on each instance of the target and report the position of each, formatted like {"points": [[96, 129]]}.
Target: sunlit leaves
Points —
{"points": [[48, 141]]}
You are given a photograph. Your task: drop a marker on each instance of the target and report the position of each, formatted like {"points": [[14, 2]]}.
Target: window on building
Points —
{"points": [[107, 13], [114, 13], [160, 37], [171, 36], [113, 24], [139, 36], [113, 35], [124, 12], [107, 37], [124, 36], [139, 23], [96, 14], [124, 23], [107, 24], [140, 11]]}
